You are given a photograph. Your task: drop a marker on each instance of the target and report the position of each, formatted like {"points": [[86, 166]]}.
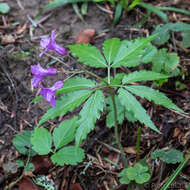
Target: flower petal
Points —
{"points": [[36, 80], [57, 85], [41, 72], [44, 42], [49, 93], [50, 44], [59, 49]]}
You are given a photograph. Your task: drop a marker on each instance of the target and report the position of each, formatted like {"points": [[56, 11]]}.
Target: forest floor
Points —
{"points": [[20, 48]]}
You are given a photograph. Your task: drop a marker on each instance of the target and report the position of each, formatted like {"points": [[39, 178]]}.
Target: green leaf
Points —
{"points": [[58, 3], [77, 11], [116, 80], [120, 112], [124, 179], [155, 10], [88, 115], [133, 4], [164, 62], [174, 9], [65, 133], [36, 99], [76, 83], [70, 155], [157, 154], [66, 103], [89, 55], [163, 34], [41, 141], [4, 8], [131, 51], [148, 54], [132, 105], [22, 143], [117, 13], [84, 8], [143, 75], [139, 173], [71, 85], [29, 167], [153, 95], [110, 49], [172, 156]]}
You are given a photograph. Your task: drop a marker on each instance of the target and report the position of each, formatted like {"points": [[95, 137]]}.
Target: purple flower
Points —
{"points": [[50, 44], [39, 73], [49, 93]]}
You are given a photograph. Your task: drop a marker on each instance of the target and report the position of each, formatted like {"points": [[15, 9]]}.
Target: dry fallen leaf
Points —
{"points": [[86, 36], [75, 186], [130, 150], [41, 164], [27, 184], [7, 39]]}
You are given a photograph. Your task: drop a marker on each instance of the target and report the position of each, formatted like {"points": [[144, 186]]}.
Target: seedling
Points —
{"points": [[171, 156], [139, 174]]}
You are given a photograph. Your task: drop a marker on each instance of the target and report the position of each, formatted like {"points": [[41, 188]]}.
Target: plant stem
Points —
{"points": [[116, 133], [92, 74], [109, 75], [138, 142], [176, 172], [10, 186]]}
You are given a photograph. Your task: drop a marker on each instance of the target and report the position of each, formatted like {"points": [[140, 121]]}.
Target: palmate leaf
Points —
{"points": [[71, 85], [120, 112], [110, 49], [41, 141], [164, 62], [89, 55], [153, 95], [143, 75], [88, 115], [132, 105], [22, 143], [70, 155], [131, 50], [65, 132], [76, 83], [66, 103]]}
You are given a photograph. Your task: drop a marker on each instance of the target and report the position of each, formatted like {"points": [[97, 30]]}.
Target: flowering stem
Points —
{"points": [[116, 133], [92, 74]]}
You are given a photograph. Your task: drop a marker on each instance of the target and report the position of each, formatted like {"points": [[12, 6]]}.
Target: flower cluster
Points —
{"points": [[39, 72]]}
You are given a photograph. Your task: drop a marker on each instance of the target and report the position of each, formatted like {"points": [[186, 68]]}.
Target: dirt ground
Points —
{"points": [[18, 34]]}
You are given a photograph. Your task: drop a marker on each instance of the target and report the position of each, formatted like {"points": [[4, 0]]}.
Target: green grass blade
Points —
{"points": [[84, 8], [77, 11], [174, 9], [176, 172], [118, 13], [58, 3], [155, 10]]}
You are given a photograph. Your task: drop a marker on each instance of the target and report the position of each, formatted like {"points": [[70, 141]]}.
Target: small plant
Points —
{"points": [[171, 156], [113, 94], [164, 31], [139, 173]]}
